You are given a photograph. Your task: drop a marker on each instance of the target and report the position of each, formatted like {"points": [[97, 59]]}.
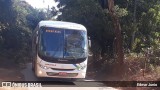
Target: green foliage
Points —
{"points": [[145, 29], [90, 14], [120, 12], [17, 21], [138, 35], [34, 17]]}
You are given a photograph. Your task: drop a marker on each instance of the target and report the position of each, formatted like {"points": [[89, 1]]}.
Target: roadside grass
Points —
{"points": [[137, 67], [141, 69]]}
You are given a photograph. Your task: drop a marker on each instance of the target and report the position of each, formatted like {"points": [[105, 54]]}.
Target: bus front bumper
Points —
{"points": [[48, 72]]}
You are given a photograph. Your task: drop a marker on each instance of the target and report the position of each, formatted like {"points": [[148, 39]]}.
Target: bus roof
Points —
{"points": [[62, 24]]}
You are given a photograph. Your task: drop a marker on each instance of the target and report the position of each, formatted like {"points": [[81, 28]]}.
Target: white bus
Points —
{"points": [[60, 50]]}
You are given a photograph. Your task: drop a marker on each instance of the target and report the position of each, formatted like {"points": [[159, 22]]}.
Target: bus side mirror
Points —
{"points": [[89, 42], [89, 47]]}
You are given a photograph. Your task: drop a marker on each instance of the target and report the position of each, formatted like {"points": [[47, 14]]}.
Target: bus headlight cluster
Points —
{"points": [[81, 66], [44, 67]]}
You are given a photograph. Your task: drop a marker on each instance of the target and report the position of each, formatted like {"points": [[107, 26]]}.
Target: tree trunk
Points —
{"points": [[118, 39]]}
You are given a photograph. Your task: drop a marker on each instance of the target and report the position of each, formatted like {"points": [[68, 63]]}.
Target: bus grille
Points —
{"points": [[57, 74], [59, 69]]}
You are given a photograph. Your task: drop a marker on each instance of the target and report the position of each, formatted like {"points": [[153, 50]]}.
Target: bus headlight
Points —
{"points": [[40, 72], [44, 67]]}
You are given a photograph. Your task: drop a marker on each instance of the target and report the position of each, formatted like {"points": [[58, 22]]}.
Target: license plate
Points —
{"points": [[62, 73]]}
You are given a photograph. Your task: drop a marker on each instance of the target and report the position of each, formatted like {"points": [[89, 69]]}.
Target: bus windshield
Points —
{"points": [[63, 43]]}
